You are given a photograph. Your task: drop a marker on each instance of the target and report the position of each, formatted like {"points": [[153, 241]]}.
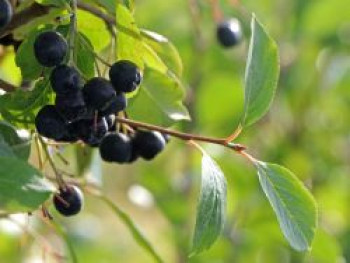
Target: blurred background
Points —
{"points": [[307, 130]]}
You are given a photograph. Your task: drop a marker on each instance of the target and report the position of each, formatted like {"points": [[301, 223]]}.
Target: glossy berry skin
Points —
{"points": [[229, 33], [50, 48], [125, 76], [115, 147], [148, 144], [89, 131], [51, 125], [117, 104], [65, 79], [98, 92], [6, 13], [71, 106], [69, 201]]}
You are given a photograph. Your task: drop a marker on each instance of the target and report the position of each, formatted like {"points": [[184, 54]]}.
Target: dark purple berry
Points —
{"points": [[90, 131], [148, 144], [51, 125], [65, 79], [69, 201], [229, 33], [125, 76], [71, 106], [50, 48], [98, 93], [115, 147], [6, 13], [117, 104]]}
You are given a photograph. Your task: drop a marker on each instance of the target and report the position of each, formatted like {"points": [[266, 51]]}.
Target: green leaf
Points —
{"points": [[94, 29], [293, 204], [20, 107], [211, 211], [57, 3], [5, 149], [129, 42], [162, 96], [85, 56], [261, 74], [25, 58], [138, 236], [164, 49], [22, 187], [19, 146]]}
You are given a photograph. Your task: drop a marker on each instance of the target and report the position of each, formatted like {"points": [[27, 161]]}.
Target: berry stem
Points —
{"points": [[73, 30], [58, 175], [182, 135]]}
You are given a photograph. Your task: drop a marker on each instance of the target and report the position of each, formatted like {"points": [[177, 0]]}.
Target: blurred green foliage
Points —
{"points": [[307, 130]]}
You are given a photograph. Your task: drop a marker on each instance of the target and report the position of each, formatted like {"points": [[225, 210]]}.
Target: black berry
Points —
{"points": [[90, 131], [148, 144], [69, 201], [71, 106], [229, 33], [50, 48], [65, 79], [6, 13], [117, 104], [115, 147], [125, 76], [50, 124], [98, 93]]}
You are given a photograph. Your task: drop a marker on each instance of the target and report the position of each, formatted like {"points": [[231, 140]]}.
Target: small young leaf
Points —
{"points": [[211, 210], [293, 204], [138, 236], [164, 49], [129, 43], [261, 74], [162, 96], [22, 188], [19, 145]]}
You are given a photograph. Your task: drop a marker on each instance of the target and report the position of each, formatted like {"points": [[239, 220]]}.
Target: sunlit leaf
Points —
{"points": [[162, 96], [293, 204], [211, 211], [129, 43], [261, 74]]}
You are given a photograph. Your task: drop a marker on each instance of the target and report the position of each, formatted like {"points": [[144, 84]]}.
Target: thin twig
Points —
{"points": [[182, 135]]}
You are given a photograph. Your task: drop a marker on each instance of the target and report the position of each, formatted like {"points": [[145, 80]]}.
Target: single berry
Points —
{"points": [[166, 137], [50, 48], [148, 143], [117, 104], [65, 79], [115, 147], [229, 33], [69, 201], [51, 125], [125, 76], [98, 92], [89, 131], [6, 13], [71, 106]]}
